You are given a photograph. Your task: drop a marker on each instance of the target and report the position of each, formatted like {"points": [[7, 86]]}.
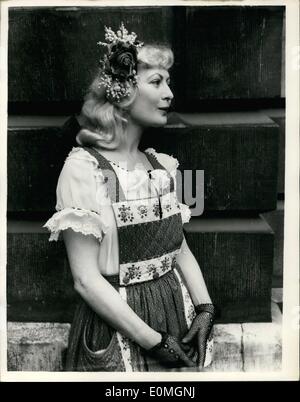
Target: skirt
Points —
{"points": [[96, 346]]}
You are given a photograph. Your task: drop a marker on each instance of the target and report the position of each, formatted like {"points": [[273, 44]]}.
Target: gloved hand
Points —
{"points": [[201, 330], [171, 353]]}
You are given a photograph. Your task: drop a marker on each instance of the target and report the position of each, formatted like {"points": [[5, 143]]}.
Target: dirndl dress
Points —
{"points": [[150, 235]]}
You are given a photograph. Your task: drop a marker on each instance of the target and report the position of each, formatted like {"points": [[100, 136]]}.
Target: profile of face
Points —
{"points": [[153, 98]]}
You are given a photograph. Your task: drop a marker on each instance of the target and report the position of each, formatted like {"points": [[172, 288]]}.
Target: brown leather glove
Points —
{"points": [[170, 352], [201, 330]]}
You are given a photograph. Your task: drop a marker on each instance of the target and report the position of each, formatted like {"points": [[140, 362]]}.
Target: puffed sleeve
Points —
{"points": [[172, 164], [81, 193]]}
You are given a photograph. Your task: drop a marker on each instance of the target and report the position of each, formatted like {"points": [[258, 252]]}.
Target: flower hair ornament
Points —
{"points": [[119, 65]]}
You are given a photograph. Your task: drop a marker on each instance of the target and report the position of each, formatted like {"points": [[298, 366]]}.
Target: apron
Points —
{"points": [[150, 234]]}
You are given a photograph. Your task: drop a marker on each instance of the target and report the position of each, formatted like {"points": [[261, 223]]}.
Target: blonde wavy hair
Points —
{"points": [[103, 122]]}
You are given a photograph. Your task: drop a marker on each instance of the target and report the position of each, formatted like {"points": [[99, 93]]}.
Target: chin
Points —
{"points": [[159, 122]]}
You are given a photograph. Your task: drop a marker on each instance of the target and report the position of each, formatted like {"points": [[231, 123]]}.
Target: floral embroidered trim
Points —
{"points": [[125, 213], [189, 309], [142, 211], [170, 204], [190, 314], [156, 209], [80, 220], [123, 341], [143, 271], [133, 212]]}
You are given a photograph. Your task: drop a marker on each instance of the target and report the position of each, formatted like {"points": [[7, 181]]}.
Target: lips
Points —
{"points": [[164, 109]]}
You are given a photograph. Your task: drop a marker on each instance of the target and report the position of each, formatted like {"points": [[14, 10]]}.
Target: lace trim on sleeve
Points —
{"points": [[80, 220], [80, 153], [168, 161], [185, 213]]}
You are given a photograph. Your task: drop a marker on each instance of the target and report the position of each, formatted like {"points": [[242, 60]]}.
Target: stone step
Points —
{"points": [[218, 68], [252, 347], [235, 255], [275, 220], [278, 116], [56, 33], [36, 346], [236, 258], [237, 151], [215, 70], [249, 347], [39, 280], [37, 148]]}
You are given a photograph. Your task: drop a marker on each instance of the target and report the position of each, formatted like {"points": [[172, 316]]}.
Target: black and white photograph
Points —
{"points": [[149, 190]]}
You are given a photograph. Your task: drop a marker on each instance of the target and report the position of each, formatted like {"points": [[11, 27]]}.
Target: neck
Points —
{"points": [[131, 138]]}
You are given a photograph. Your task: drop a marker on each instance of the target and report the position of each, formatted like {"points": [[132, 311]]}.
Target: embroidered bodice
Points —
{"points": [[83, 202]]}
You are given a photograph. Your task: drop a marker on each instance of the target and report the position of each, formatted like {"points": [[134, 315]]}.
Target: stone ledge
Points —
{"points": [[262, 343], [174, 119], [37, 333], [227, 348], [238, 347], [36, 346], [248, 347]]}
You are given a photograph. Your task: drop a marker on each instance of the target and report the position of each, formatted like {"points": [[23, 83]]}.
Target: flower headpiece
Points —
{"points": [[119, 65]]}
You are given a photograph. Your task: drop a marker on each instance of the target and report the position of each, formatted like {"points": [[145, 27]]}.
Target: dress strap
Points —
{"points": [[157, 165], [114, 187]]}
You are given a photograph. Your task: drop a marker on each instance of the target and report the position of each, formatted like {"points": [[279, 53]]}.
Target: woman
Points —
{"points": [[145, 306]]}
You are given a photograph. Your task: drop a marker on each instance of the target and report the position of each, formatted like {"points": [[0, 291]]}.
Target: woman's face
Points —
{"points": [[153, 98]]}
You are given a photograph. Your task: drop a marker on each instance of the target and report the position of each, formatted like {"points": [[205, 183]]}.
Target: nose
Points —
{"points": [[167, 93]]}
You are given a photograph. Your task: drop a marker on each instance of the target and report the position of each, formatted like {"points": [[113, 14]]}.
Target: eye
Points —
{"points": [[156, 82]]}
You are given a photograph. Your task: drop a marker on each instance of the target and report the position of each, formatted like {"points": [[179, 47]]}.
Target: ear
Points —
{"points": [[125, 104]]}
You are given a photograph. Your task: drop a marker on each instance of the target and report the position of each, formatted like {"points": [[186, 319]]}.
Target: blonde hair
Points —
{"points": [[103, 122]]}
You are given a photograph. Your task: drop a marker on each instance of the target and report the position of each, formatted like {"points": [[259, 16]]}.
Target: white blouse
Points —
{"points": [[83, 203]]}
